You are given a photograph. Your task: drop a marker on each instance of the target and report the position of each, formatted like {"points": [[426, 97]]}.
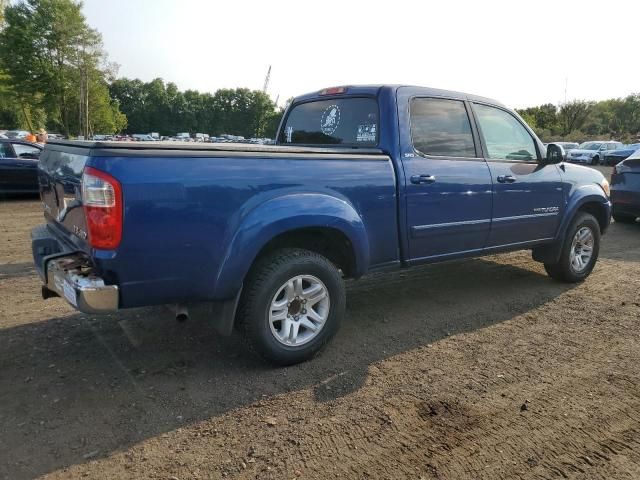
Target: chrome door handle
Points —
{"points": [[506, 178], [421, 179]]}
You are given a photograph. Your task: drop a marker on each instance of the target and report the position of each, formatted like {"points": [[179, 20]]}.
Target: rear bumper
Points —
{"points": [[68, 273]]}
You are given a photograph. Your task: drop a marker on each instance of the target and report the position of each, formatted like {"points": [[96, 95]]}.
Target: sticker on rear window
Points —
{"points": [[330, 120], [366, 132]]}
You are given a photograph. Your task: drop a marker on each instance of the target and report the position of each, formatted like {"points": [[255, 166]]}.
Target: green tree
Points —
{"points": [[573, 115], [158, 107], [50, 55]]}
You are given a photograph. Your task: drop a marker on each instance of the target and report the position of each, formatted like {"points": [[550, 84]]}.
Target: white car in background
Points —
{"points": [[592, 153]]}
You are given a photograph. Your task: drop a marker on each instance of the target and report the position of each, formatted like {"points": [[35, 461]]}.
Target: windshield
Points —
{"points": [[345, 121], [590, 146]]}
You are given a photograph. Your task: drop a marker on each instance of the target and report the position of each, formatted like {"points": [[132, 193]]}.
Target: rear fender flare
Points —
{"points": [[283, 214]]}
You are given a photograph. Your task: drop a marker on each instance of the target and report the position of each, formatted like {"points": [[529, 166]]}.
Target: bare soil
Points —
{"points": [[479, 369]]}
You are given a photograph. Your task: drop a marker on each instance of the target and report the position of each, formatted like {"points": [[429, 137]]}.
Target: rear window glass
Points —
{"points": [[345, 121]]}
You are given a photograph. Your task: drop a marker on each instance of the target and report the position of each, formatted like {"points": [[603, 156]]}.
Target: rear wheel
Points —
{"points": [[292, 305], [579, 251]]}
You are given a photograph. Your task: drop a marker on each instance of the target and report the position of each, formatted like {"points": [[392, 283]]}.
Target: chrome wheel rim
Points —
{"points": [[299, 310], [581, 249]]}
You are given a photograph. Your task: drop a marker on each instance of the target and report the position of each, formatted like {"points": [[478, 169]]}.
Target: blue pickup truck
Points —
{"points": [[261, 238]]}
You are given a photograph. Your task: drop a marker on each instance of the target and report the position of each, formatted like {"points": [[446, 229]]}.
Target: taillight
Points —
{"points": [[102, 202]]}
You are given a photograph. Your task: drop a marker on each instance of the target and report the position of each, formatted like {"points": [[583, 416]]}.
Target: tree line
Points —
{"points": [[158, 107], [580, 120], [54, 73]]}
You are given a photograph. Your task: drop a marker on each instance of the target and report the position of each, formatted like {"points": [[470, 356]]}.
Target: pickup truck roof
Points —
{"points": [[374, 90]]}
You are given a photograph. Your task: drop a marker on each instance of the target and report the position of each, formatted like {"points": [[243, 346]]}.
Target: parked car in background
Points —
{"points": [[143, 137], [592, 153], [566, 146], [19, 166], [183, 137], [17, 134], [625, 189], [616, 156]]}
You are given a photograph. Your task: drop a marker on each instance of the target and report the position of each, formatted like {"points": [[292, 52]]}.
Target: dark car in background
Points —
{"points": [[616, 156], [19, 166], [625, 189]]}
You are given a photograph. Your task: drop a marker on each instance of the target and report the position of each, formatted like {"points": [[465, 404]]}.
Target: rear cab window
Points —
{"points": [[349, 121]]}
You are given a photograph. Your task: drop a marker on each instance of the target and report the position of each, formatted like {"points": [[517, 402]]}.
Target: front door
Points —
{"points": [[527, 195], [447, 183]]}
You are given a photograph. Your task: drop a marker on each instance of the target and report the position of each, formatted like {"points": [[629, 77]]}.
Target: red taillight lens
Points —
{"points": [[102, 201]]}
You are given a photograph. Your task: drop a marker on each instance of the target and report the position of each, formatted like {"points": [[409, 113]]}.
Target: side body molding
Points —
{"points": [[283, 214]]}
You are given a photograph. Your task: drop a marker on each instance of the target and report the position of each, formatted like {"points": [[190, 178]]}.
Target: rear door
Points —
{"points": [[527, 195], [447, 182]]}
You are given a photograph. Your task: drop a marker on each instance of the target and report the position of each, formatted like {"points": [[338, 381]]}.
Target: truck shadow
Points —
{"points": [[78, 387]]}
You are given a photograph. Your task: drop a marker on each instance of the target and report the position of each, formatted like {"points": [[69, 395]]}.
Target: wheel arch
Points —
{"points": [[590, 199], [322, 223]]}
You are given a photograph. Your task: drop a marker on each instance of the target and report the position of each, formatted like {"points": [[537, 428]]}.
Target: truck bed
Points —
{"points": [[194, 213]]}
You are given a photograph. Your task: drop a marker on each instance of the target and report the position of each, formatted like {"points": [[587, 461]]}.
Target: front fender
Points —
{"points": [[589, 193], [282, 214]]}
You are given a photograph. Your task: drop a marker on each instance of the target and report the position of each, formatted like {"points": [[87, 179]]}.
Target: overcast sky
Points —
{"points": [[521, 53]]}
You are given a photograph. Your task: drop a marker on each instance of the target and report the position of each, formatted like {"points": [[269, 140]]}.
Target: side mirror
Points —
{"points": [[555, 154]]}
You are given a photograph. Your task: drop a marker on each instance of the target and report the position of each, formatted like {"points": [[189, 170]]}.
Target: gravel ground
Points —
{"points": [[477, 369]]}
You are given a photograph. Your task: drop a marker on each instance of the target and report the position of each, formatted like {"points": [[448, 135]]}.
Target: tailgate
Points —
{"points": [[60, 175]]}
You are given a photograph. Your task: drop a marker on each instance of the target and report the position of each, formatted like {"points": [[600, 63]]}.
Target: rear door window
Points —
{"points": [[345, 121], [441, 127]]}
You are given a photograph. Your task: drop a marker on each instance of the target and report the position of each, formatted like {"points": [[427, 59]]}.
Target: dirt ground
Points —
{"points": [[482, 369]]}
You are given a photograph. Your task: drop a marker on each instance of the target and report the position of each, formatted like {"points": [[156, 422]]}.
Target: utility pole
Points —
{"points": [[266, 80]]}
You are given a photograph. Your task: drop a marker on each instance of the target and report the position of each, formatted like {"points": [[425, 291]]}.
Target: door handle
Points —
{"points": [[420, 179], [506, 178]]}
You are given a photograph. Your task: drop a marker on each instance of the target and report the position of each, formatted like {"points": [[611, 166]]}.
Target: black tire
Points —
{"points": [[619, 218], [595, 160], [563, 270], [265, 280]]}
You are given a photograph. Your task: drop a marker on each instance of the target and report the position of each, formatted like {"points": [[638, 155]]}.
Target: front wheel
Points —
{"points": [[292, 305], [595, 160], [579, 250]]}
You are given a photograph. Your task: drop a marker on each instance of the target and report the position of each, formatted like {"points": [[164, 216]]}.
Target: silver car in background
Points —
{"points": [[592, 153]]}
